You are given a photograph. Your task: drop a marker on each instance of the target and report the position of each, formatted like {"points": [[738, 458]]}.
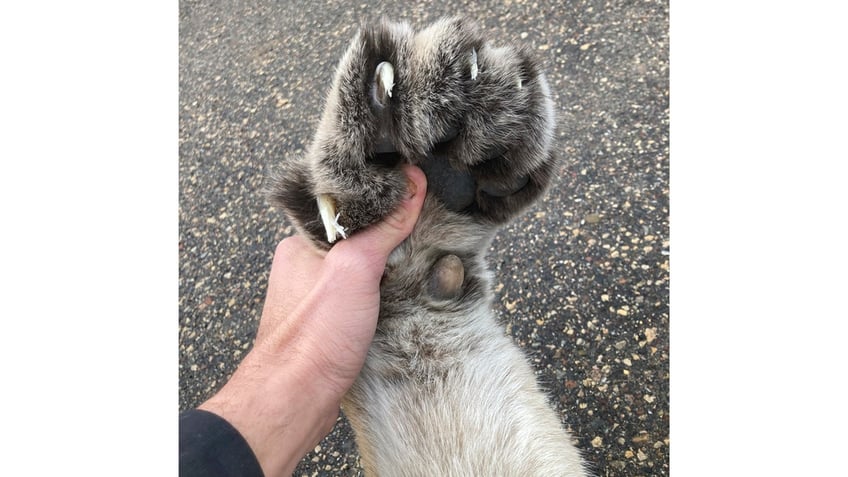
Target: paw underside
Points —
{"points": [[477, 119]]}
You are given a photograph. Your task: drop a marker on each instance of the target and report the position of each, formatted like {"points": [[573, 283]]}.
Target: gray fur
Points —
{"points": [[443, 391]]}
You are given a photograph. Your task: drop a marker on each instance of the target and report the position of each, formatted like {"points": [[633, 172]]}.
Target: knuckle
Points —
{"points": [[289, 246], [349, 262]]}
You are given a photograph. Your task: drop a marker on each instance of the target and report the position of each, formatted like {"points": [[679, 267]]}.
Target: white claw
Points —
{"points": [[329, 217], [473, 64], [385, 79], [520, 84], [339, 229]]}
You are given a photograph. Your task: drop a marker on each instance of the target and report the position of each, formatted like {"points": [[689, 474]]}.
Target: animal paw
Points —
{"points": [[478, 119], [350, 175]]}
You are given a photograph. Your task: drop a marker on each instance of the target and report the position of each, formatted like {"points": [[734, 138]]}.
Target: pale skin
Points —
{"points": [[318, 321]]}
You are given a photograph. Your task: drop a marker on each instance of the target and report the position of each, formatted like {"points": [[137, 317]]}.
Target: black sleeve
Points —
{"points": [[211, 447]]}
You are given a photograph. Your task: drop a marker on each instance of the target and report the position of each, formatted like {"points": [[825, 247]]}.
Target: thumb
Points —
{"points": [[379, 239]]}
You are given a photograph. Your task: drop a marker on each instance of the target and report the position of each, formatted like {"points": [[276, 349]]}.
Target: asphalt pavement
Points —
{"points": [[582, 277]]}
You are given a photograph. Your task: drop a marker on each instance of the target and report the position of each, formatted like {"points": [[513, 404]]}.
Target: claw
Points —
{"points": [[329, 217], [339, 229], [473, 64], [385, 81]]}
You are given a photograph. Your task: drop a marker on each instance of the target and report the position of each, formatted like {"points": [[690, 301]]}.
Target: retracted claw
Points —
{"points": [[384, 79]]}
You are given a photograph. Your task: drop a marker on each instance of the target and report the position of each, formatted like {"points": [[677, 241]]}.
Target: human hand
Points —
{"points": [[318, 321]]}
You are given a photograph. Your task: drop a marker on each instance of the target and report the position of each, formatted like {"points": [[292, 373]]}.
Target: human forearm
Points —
{"points": [[279, 408], [319, 318]]}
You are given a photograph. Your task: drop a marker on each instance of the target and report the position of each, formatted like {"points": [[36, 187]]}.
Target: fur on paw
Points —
{"points": [[350, 175], [477, 118], [484, 118]]}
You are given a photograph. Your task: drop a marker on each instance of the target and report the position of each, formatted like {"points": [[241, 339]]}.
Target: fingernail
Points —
{"points": [[411, 188]]}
